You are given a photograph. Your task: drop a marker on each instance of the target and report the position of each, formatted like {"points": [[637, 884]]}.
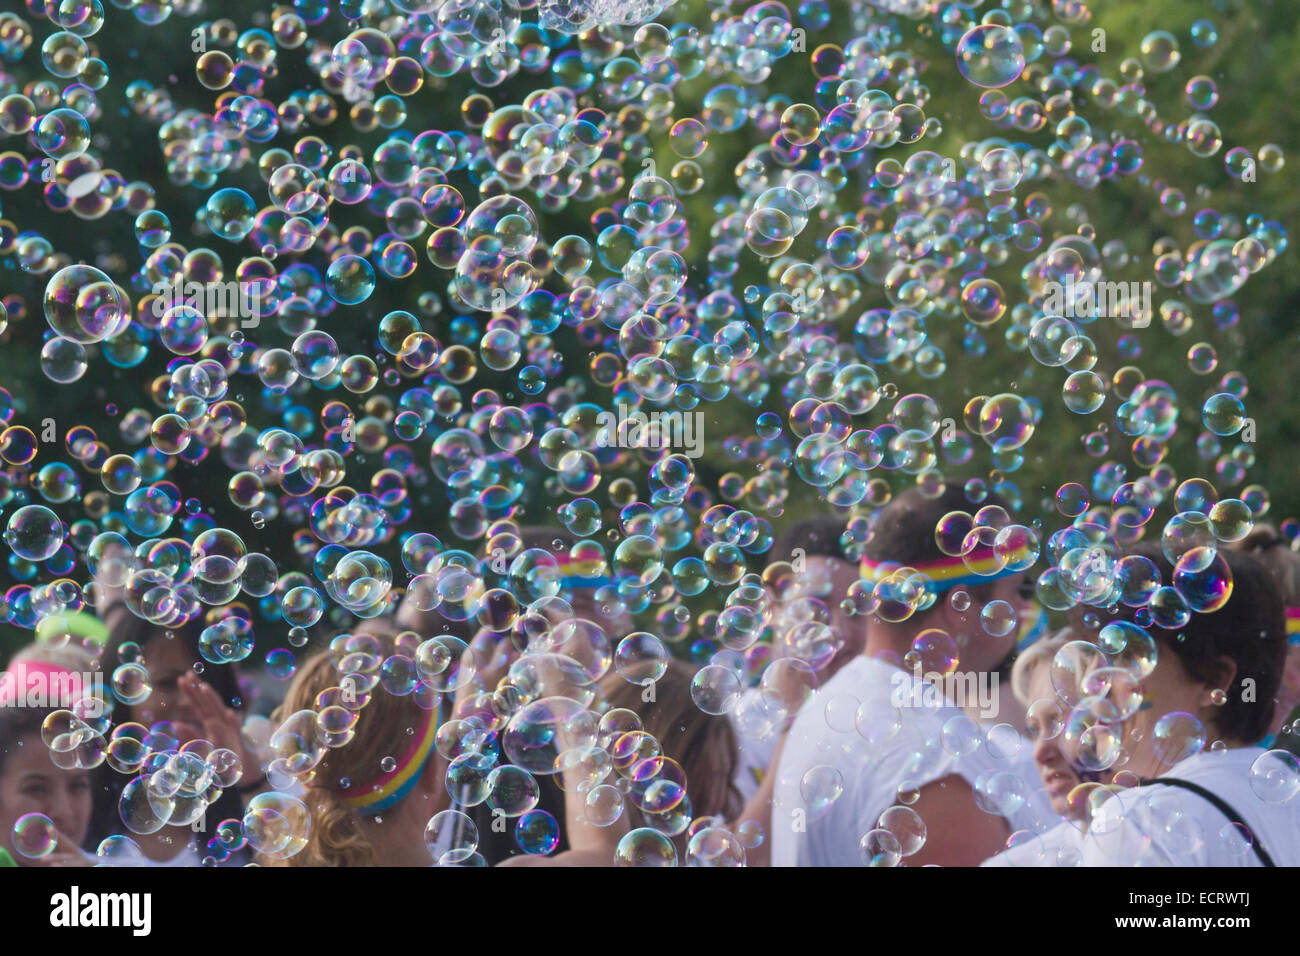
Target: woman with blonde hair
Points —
{"points": [[370, 798], [1045, 713]]}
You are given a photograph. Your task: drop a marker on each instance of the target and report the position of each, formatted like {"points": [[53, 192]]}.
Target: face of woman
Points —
{"points": [[32, 784], [168, 661], [1059, 777], [1168, 689]]}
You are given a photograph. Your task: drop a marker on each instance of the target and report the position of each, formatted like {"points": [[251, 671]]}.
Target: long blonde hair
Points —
{"points": [[1036, 655]]}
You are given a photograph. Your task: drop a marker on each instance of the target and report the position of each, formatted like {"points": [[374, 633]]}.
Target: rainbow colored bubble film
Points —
{"points": [[648, 433]]}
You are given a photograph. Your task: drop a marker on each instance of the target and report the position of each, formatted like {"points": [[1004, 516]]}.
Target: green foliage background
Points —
{"points": [[1256, 64]]}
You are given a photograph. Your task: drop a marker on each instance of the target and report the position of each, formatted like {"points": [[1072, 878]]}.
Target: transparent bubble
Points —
{"points": [[603, 805], [715, 689], [451, 837], [645, 847], [990, 56], [880, 848], [1177, 736], [512, 791], [34, 533], [83, 305], [1275, 776], [277, 825], [34, 836]]}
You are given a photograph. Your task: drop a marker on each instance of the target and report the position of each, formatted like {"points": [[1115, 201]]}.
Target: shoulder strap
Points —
{"points": [[1223, 807]]}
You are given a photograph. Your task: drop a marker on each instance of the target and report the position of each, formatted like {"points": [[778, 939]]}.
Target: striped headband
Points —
{"points": [[572, 578], [979, 567], [388, 789], [1293, 625], [1032, 631]]}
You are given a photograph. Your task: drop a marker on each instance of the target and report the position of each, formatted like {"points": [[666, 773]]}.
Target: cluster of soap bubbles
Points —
{"points": [[415, 275]]}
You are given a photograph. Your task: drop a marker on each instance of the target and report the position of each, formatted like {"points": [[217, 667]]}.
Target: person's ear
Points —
{"points": [[1225, 677], [433, 780], [944, 615]]}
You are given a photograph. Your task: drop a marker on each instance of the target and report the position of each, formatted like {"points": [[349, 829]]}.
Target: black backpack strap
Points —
{"points": [[1222, 806]]}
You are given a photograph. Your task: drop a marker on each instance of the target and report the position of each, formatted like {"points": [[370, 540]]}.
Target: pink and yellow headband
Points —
{"points": [[386, 790]]}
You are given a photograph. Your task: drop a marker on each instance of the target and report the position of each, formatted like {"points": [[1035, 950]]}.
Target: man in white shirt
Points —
{"points": [[885, 731]]}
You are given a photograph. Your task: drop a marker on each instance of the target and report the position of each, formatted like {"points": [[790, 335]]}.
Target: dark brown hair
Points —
{"points": [[1250, 630]]}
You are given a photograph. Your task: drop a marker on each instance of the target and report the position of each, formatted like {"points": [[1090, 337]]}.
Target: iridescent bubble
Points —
{"points": [[880, 848], [34, 836], [1088, 741], [1203, 579], [82, 304], [603, 805], [350, 279], [277, 825], [35, 533], [1160, 52], [230, 213], [645, 847], [990, 56], [1084, 392], [1223, 414], [119, 851], [512, 791], [820, 787], [451, 837], [1177, 735], [63, 134], [130, 684], [715, 846], [715, 689], [537, 833], [641, 658], [1275, 776]]}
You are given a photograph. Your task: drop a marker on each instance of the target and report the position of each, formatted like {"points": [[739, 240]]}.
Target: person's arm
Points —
{"points": [[223, 725], [759, 809], [958, 833], [65, 853], [589, 845]]}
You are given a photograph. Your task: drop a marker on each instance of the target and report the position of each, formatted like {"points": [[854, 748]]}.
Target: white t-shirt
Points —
{"points": [[754, 753], [1170, 826], [188, 856], [872, 730], [1060, 846]]}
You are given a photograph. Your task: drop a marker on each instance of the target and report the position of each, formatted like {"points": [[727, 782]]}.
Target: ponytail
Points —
{"points": [[337, 836]]}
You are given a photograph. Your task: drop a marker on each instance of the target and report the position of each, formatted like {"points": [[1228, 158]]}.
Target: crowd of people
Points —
{"points": [[844, 738]]}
